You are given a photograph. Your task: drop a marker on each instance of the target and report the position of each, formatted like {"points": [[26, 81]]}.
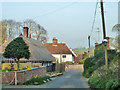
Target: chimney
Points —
{"points": [[107, 42], [29, 35], [25, 32], [54, 41], [77, 53], [96, 44]]}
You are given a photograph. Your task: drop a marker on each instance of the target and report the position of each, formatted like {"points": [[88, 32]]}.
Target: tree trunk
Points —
{"points": [[18, 65], [17, 61]]}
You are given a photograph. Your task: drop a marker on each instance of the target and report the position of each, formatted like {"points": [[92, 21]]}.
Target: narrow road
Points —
{"points": [[71, 79]]}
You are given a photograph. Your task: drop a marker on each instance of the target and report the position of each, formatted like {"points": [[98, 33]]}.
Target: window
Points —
{"points": [[64, 56]]}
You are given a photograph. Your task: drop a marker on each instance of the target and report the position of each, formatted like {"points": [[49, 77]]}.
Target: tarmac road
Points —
{"points": [[71, 79]]}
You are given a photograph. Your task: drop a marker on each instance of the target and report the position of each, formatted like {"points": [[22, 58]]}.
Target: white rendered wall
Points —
{"points": [[69, 57]]}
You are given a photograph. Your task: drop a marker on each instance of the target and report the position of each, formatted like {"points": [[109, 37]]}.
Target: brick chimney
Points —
{"points": [[96, 44], [54, 41], [107, 42], [77, 54], [25, 32], [29, 35]]}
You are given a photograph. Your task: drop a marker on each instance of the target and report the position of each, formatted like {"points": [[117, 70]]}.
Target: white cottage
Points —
{"points": [[60, 51]]}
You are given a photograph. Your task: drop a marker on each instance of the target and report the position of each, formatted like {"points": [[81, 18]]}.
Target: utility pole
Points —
{"points": [[89, 46], [103, 21], [104, 34]]}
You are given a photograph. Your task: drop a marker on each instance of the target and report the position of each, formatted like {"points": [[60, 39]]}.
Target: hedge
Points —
{"points": [[93, 63], [103, 78]]}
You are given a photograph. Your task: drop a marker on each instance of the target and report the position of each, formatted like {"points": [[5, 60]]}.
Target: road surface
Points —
{"points": [[71, 79]]}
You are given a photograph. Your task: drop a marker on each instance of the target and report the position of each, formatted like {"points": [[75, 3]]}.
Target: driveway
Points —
{"points": [[71, 79]]}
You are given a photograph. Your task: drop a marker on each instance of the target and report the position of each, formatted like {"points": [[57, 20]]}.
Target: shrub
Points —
{"points": [[97, 82], [112, 84], [87, 64], [82, 61], [39, 80], [103, 78], [92, 63], [91, 69], [69, 62]]}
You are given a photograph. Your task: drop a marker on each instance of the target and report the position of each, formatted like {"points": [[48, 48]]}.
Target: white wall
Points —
{"points": [[69, 57]]}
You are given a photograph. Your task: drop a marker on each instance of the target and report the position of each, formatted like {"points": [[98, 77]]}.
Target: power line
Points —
{"points": [[94, 38], [56, 10], [94, 18]]}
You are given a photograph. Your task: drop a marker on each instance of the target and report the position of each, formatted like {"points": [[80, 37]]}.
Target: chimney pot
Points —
{"points": [[25, 31], [77, 53], [96, 44], [54, 41], [29, 35]]}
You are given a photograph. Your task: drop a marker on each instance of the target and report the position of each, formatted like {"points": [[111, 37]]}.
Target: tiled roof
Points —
{"points": [[59, 48]]}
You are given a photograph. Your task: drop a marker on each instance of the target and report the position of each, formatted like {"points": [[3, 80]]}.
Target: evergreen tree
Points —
{"points": [[17, 49]]}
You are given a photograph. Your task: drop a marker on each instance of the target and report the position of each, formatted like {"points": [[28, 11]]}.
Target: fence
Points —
{"points": [[22, 76], [56, 67], [60, 68]]}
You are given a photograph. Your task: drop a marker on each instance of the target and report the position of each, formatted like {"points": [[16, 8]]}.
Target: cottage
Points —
{"points": [[39, 54], [60, 51]]}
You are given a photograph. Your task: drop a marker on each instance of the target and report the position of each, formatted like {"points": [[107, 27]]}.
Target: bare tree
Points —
{"points": [[10, 25], [18, 28], [31, 24], [3, 35], [40, 34], [14, 29], [116, 41]]}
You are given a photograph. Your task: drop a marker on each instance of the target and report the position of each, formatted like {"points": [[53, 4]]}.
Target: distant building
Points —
{"points": [[60, 51], [78, 57]]}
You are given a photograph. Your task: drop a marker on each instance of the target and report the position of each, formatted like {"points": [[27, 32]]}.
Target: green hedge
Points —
{"points": [[93, 63], [102, 78], [82, 61]]}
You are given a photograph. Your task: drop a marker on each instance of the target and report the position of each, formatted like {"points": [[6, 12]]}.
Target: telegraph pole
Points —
{"points": [[89, 46], [103, 21], [104, 34]]}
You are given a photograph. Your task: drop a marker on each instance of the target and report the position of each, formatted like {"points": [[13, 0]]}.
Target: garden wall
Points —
{"points": [[74, 67], [22, 76]]}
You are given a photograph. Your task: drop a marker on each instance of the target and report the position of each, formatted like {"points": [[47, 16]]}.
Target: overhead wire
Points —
{"points": [[94, 18], [56, 10]]}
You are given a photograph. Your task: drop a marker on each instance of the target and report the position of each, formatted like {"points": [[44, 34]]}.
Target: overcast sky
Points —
{"points": [[69, 22]]}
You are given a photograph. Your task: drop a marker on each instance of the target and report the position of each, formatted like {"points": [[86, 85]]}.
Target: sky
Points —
{"points": [[69, 22]]}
